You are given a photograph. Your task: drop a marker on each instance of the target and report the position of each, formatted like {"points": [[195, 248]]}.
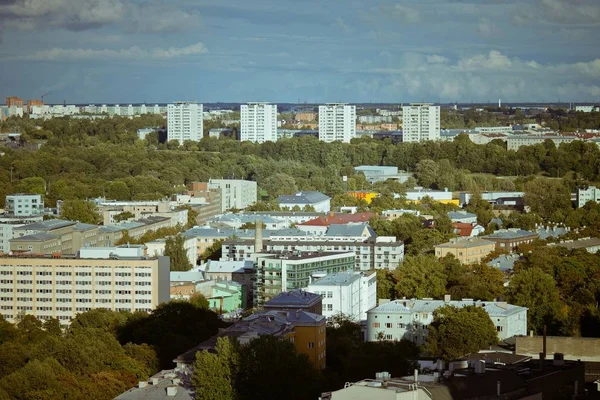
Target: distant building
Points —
{"points": [[116, 278], [494, 129], [585, 194], [235, 193], [408, 319], [337, 122], [417, 194], [510, 239], [349, 293], [24, 205], [14, 101], [258, 122], [157, 248], [494, 198], [466, 250], [587, 109], [420, 122], [316, 200], [320, 225], [462, 216], [296, 299], [514, 142], [377, 173], [590, 244], [184, 121], [142, 133], [8, 225]]}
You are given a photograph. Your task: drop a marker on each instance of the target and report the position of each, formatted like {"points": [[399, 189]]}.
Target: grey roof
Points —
{"points": [[512, 233], [296, 297], [551, 232], [303, 198], [245, 218], [344, 278], [46, 225], [350, 230], [493, 308], [85, 227], [578, 244], [465, 243], [241, 233], [186, 276], [458, 215], [159, 391], [36, 237], [504, 262], [225, 266]]}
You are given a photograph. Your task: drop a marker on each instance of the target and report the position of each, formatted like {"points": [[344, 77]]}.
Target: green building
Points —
{"points": [[227, 296]]}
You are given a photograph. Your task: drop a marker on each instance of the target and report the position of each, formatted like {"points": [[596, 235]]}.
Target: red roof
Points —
{"points": [[463, 228], [339, 219]]}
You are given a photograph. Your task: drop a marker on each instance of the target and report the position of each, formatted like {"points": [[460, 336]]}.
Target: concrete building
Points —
{"points": [[157, 247], [381, 388], [117, 278], [420, 122], [184, 121], [316, 200], [277, 272], [7, 226], [510, 239], [296, 300], [417, 194], [320, 225], [587, 109], [408, 318], [586, 349], [348, 292], [462, 216], [14, 101], [514, 142], [235, 193], [227, 297], [258, 122], [585, 194], [24, 205], [494, 129], [590, 244], [377, 173], [466, 250], [165, 385], [494, 198], [337, 122]]}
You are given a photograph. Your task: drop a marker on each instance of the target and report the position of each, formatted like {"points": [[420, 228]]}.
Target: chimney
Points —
{"points": [[155, 381], [258, 240], [171, 390], [498, 388], [142, 384], [416, 375], [447, 298]]}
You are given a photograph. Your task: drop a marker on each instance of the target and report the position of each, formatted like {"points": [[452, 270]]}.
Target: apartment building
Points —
{"points": [[337, 122], [7, 226], [184, 121], [317, 200], [466, 250], [157, 248], [24, 204], [408, 318], [114, 278], [295, 300], [585, 194], [349, 293], [514, 142], [277, 272], [235, 193], [510, 239], [420, 122], [55, 236], [258, 122], [14, 101]]}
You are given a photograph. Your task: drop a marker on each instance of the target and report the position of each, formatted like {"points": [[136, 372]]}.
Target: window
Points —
{"points": [[400, 325], [310, 345], [388, 337], [498, 329], [329, 307], [388, 325], [376, 324]]}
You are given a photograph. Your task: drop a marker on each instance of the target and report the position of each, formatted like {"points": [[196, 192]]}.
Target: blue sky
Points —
{"points": [[312, 50]]}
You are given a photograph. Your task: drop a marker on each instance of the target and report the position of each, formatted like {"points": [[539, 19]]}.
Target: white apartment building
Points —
{"points": [[235, 193], [408, 318], [258, 122], [24, 205], [420, 122], [349, 293], [514, 142], [156, 248], [117, 278], [337, 121], [587, 109], [7, 226], [585, 194], [184, 121]]}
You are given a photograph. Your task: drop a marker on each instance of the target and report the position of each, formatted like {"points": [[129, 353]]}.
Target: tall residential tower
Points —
{"points": [[420, 122], [184, 121], [337, 121], [258, 122]]}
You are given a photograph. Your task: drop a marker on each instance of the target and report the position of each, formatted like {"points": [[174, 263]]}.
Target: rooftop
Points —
{"points": [[339, 279], [46, 225], [578, 244], [296, 297], [339, 219], [302, 255], [461, 243], [167, 384], [351, 229], [303, 198], [227, 267], [458, 215], [409, 306], [36, 237], [512, 233]]}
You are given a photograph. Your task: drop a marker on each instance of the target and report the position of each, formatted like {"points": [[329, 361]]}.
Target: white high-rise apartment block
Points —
{"points": [[337, 121], [420, 122], [116, 278], [235, 193], [184, 121], [258, 122]]}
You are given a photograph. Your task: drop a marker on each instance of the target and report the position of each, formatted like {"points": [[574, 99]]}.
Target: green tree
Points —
{"points": [[198, 300], [33, 185], [215, 374], [80, 210], [123, 216], [174, 248], [420, 276], [213, 252], [546, 197], [52, 326], [481, 208], [386, 284], [456, 332]]}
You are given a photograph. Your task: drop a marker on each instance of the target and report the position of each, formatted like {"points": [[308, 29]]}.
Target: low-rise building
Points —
{"points": [[294, 300], [514, 142], [468, 229], [115, 278], [320, 225], [408, 318], [462, 216], [165, 385], [317, 200], [393, 214], [7, 226], [466, 250], [417, 195], [378, 173], [510, 239], [55, 236], [495, 198], [587, 193], [348, 292], [590, 244]]}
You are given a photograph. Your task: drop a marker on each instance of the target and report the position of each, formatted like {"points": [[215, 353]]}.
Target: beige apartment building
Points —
{"points": [[466, 250], [118, 278]]}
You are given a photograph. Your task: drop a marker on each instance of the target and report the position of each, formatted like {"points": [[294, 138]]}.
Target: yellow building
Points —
{"points": [[309, 336], [466, 250], [363, 195]]}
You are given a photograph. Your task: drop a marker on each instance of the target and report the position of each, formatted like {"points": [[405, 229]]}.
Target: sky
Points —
{"points": [[391, 51]]}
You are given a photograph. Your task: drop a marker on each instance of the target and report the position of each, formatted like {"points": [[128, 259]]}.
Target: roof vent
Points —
{"points": [[171, 390]]}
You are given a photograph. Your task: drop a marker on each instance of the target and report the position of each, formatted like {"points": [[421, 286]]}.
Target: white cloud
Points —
{"points": [[485, 27], [406, 14], [341, 24], [436, 59], [133, 53]]}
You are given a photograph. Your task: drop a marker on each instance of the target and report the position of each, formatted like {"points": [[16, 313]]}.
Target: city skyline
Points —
{"points": [[445, 51]]}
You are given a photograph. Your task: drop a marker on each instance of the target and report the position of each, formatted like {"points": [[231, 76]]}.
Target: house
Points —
{"points": [[316, 200], [349, 293], [408, 318], [510, 239], [296, 299], [468, 229], [466, 250]]}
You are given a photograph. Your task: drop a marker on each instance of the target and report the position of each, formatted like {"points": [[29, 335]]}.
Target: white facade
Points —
{"points": [[420, 122], [418, 194], [349, 293], [49, 287], [8, 224], [494, 129], [24, 205], [408, 318], [156, 248], [587, 109], [317, 200], [337, 122], [235, 193], [258, 122], [514, 142], [585, 194], [184, 121]]}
